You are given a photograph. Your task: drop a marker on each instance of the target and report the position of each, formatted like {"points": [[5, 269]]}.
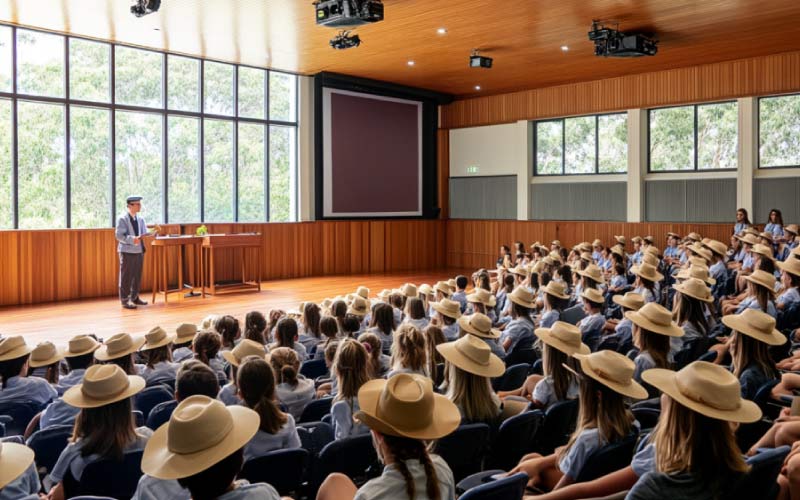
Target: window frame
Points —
{"points": [[563, 173], [164, 111], [759, 166], [695, 153]]}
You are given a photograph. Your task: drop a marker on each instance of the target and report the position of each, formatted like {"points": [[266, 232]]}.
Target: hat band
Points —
{"points": [[690, 393], [484, 332], [608, 377], [87, 391], [194, 446], [112, 349], [471, 357]]}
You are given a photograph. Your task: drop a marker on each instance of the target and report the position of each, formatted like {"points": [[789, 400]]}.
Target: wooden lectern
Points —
{"points": [[251, 271], [159, 247]]}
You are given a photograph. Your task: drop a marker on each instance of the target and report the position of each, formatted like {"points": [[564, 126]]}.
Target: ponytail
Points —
{"points": [[285, 365], [403, 449], [256, 384]]}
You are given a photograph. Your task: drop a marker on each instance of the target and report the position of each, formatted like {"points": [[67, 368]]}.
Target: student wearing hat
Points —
{"points": [[482, 301], [505, 287], [119, 350], [591, 277], [518, 333], [446, 315], [182, 344], [791, 231], [606, 380], [409, 352], [618, 280], [245, 348], [426, 294], [158, 353], [44, 361], [504, 259], [104, 428], [481, 326], [646, 279], [592, 324], [752, 333], [403, 414], [718, 255], [415, 313], [760, 294], [790, 280], [622, 337], [350, 369], [554, 300], [652, 330], [597, 250], [18, 477], [690, 305], [16, 386]]}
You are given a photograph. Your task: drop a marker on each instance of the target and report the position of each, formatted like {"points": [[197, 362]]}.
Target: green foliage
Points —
{"points": [[282, 183], [6, 159], [184, 169], [40, 63], [218, 90], [5, 59], [218, 175], [549, 147], [780, 131], [183, 83], [138, 77], [90, 167], [252, 87], [613, 147], [672, 139], [138, 160], [89, 78], [282, 97], [579, 147], [573, 139], [251, 172]]}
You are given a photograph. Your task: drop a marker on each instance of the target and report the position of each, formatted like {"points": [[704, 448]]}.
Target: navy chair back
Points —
{"points": [[160, 414], [524, 355], [47, 445], [464, 449], [559, 422], [761, 481], [709, 356], [149, 397], [573, 314], [313, 368], [512, 379], [20, 414], [315, 410], [611, 457], [507, 488], [314, 436], [350, 456], [283, 469], [111, 478], [647, 417], [514, 439]]}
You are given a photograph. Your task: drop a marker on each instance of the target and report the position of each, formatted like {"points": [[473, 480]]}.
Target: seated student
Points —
{"points": [[104, 428], [350, 369], [460, 294], [245, 348], [618, 280], [774, 224], [652, 330], [554, 300], [415, 313], [255, 325], [719, 251], [400, 439], [329, 387], [44, 362], [433, 337], [646, 279], [351, 326], [501, 296], [202, 447], [182, 345], [119, 350], [206, 348], [560, 343], [79, 356], [481, 326], [257, 391], [591, 278], [358, 310], [446, 314], [382, 324], [606, 379], [469, 364], [409, 351], [693, 448], [426, 294], [752, 333], [518, 333], [760, 293], [691, 300], [378, 363], [790, 279], [18, 477], [482, 301], [329, 329], [286, 336], [294, 390], [228, 328], [157, 351], [592, 324], [310, 336], [398, 303], [14, 358], [622, 338]]}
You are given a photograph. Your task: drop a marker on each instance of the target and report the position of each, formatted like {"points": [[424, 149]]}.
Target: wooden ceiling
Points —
{"points": [[523, 37]]}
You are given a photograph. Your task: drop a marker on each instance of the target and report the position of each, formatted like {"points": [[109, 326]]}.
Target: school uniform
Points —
{"points": [[386, 340], [461, 297], [592, 329], [342, 417], [181, 354], [160, 372], [740, 255], [228, 395], [671, 252], [751, 380], [586, 443], [74, 377], [218, 365], [58, 413], [72, 460], [520, 332], [388, 484], [24, 487], [495, 346], [690, 334], [748, 261], [788, 297], [643, 361], [450, 331], [645, 292], [544, 393], [420, 324], [264, 442], [618, 282], [718, 271], [776, 230], [398, 315], [403, 370], [635, 258], [548, 318], [256, 491], [151, 488], [623, 334], [33, 389], [295, 398], [309, 341], [752, 303], [386, 364]]}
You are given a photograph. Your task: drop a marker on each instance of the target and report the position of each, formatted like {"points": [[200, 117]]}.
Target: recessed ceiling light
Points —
{"points": [[477, 87], [411, 62], [564, 48], [442, 31]]}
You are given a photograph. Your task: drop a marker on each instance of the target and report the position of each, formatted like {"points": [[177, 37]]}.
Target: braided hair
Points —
{"points": [[402, 449]]}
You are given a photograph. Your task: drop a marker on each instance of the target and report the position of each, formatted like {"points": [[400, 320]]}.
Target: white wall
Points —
{"points": [[305, 144], [493, 149]]}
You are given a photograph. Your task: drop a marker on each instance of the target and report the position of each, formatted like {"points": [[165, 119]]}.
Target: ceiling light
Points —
{"points": [[477, 87], [564, 48], [442, 31], [411, 62]]}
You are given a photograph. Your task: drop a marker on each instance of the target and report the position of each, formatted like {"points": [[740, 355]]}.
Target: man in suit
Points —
{"points": [[130, 232]]}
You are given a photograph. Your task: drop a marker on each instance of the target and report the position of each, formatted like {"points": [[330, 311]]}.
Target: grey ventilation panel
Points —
{"points": [[692, 200], [782, 193], [579, 201], [492, 197]]}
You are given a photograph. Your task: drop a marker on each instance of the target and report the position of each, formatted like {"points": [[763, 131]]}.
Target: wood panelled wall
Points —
{"points": [[774, 74], [474, 244], [55, 265]]}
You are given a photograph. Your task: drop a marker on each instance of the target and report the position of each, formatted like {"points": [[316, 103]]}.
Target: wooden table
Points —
{"points": [[159, 260], [250, 270]]}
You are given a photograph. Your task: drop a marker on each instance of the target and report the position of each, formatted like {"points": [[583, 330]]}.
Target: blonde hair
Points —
{"points": [[433, 337], [373, 345], [473, 395], [408, 349], [350, 367], [553, 362], [748, 351]]}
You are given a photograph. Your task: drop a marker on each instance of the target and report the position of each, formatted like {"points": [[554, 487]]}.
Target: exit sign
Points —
{"points": [[473, 169]]}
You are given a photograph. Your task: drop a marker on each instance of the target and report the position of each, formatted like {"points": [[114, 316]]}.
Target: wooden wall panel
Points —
{"points": [[773, 74]]}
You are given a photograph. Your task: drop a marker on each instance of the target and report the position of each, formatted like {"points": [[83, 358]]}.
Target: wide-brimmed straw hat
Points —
{"points": [[587, 256], [452, 284], [472, 355], [406, 406], [651, 259], [763, 278], [157, 337], [447, 307], [648, 239], [593, 272], [44, 354], [519, 271], [244, 349], [442, 286], [200, 433], [359, 306], [556, 243], [652, 250], [698, 249], [482, 296], [185, 332], [620, 239], [117, 346], [80, 345], [363, 292], [706, 388], [791, 266], [409, 290], [480, 325], [103, 385], [425, 289], [747, 238], [694, 236], [556, 257], [791, 228], [614, 371], [523, 297], [671, 234], [556, 289], [13, 347], [767, 236], [616, 249], [593, 295], [698, 271], [717, 247], [597, 242], [636, 239], [756, 324], [647, 271], [763, 250], [14, 461], [695, 288], [631, 300], [564, 337], [655, 318]]}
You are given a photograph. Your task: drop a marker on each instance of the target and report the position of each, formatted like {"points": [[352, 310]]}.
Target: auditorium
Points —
{"points": [[399, 250]]}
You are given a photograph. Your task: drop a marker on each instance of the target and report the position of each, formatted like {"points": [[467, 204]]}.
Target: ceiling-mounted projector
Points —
{"points": [[348, 13], [610, 42]]}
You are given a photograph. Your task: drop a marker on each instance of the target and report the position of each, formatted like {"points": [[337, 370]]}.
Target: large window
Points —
{"points": [[698, 137], [85, 124], [779, 131], [595, 144]]}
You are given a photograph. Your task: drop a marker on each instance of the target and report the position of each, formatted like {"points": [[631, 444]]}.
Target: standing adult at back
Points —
{"points": [[130, 231]]}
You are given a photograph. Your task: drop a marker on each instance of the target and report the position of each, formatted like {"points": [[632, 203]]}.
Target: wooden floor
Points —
{"points": [[104, 317]]}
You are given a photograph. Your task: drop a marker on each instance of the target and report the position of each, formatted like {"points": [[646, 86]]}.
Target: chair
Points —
{"points": [[314, 436], [110, 478], [315, 410], [464, 449], [761, 481], [150, 397], [514, 439], [350, 456], [537, 367], [647, 417], [609, 458], [512, 379], [20, 414], [482, 486], [526, 355], [573, 314], [160, 414], [559, 422], [283, 469], [167, 382], [138, 417], [313, 368], [47, 445], [709, 356]]}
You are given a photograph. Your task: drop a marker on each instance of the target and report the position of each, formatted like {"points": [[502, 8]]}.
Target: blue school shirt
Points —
{"points": [[182, 354], [74, 377], [623, 332], [751, 380], [544, 394], [419, 323], [58, 413], [460, 297], [228, 395], [391, 485], [591, 329], [342, 416], [775, 229], [71, 458], [495, 346], [789, 296], [264, 442], [33, 389], [739, 227], [618, 281], [450, 331], [672, 252], [386, 340], [296, 398], [548, 318], [644, 361], [752, 303], [718, 271], [24, 487], [519, 331], [150, 488], [160, 372], [586, 443], [645, 292]]}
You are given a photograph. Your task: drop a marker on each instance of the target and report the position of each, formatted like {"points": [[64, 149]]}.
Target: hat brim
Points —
{"points": [[15, 459], [684, 275], [76, 398], [767, 285], [671, 330], [735, 322], [441, 310], [494, 368], [561, 296], [446, 417], [185, 338], [657, 276], [161, 463], [230, 358], [784, 266], [547, 337], [102, 352], [473, 298], [519, 301], [583, 273], [58, 356], [632, 390], [161, 343], [664, 380], [584, 296], [74, 354], [687, 292], [464, 324], [18, 352], [356, 312]]}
